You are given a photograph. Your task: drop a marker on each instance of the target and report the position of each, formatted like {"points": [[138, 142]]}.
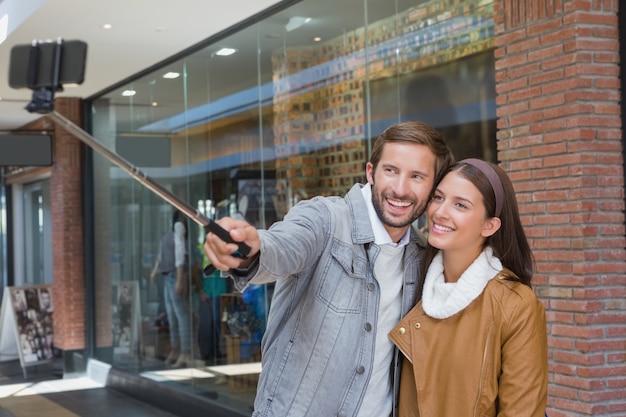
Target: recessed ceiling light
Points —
{"points": [[107, 26], [171, 75], [155, 103], [4, 27], [317, 39], [128, 93], [296, 22], [226, 51]]}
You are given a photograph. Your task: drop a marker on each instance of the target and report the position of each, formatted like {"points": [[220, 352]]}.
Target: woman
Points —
{"points": [[172, 262], [476, 344]]}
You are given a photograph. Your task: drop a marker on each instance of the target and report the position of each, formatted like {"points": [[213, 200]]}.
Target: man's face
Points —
{"points": [[401, 185]]}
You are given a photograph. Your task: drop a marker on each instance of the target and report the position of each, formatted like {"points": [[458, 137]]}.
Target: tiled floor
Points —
{"points": [[43, 393]]}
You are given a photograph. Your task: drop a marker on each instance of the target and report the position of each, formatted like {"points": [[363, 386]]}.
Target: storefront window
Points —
{"points": [[3, 237], [281, 111]]}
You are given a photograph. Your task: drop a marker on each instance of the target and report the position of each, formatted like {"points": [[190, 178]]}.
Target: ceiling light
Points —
{"points": [[226, 51], [296, 22], [155, 103], [4, 27], [171, 75], [107, 26], [317, 39], [129, 93]]}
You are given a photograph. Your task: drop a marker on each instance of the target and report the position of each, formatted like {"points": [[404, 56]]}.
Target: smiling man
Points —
{"points": [[346, 271]]}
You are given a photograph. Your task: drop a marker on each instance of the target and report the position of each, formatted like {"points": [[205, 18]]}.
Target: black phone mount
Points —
{"points": [[43, 96]]}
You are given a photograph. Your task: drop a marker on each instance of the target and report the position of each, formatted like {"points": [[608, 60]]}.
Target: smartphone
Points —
{"points": [[71, 64]]}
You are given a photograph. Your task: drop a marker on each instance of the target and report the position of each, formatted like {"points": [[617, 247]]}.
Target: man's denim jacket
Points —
{"points": [[318, 348]]}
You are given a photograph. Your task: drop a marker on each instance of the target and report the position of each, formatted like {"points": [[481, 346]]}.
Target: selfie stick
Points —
{"points": [[42, 102], [140, 176]]}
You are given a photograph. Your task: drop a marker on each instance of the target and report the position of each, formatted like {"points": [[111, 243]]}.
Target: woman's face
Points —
{"points": [[457, 217]]}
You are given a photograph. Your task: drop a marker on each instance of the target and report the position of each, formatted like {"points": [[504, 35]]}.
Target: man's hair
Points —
{"points": [[418, 133]]}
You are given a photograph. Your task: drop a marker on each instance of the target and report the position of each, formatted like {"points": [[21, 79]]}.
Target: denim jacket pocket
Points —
{"points": [[344, 278]]}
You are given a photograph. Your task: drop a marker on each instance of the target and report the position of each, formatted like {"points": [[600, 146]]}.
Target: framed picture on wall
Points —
{"points": [[27, 320]]}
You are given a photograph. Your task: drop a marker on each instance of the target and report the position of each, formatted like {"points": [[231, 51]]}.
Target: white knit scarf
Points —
{"points": [[441, 299]]}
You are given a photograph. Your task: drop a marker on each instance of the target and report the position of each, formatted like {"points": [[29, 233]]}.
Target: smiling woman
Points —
{"points": [[458, 222], [479, 327]]}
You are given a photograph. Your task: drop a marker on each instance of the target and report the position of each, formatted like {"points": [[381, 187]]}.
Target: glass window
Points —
{"points": [[282, 110], [37, 233]]}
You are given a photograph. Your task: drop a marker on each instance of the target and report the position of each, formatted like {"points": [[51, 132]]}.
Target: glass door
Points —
{"points": [[37, 233]]}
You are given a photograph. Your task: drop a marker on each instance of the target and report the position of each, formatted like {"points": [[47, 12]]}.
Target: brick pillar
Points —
{"points": [[559, 138], [68, 282]]}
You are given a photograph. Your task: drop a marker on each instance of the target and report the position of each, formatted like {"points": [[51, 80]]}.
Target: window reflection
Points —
{"points": [[284, 118]]}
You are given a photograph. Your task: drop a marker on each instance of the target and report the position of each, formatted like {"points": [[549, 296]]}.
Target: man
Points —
{"points": [[346, 271]]}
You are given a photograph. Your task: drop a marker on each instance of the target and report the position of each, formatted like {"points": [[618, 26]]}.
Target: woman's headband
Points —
{"points": [[494, 180]]}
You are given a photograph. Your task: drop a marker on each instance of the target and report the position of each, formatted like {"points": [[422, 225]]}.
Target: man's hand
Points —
{"points": [[220, 253]]}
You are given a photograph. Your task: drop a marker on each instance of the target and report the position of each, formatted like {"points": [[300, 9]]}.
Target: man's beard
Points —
{"points": [[378, 202]]}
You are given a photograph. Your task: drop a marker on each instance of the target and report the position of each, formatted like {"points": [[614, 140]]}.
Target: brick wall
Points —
{"points": [[68, 283], [559, 138]]}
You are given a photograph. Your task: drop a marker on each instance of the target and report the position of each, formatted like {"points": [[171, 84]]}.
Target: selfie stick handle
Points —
{"points": [[193, 213]]}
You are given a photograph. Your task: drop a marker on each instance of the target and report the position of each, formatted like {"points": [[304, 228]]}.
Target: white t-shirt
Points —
{"points": [[179, 244], [389, 272]]}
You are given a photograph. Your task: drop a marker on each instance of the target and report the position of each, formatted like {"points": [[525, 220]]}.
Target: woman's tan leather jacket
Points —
{"points": [[489, 359]]}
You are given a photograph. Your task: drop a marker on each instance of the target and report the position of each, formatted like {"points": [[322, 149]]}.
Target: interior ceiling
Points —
{"points": [[144, 33], [148, 32]]}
